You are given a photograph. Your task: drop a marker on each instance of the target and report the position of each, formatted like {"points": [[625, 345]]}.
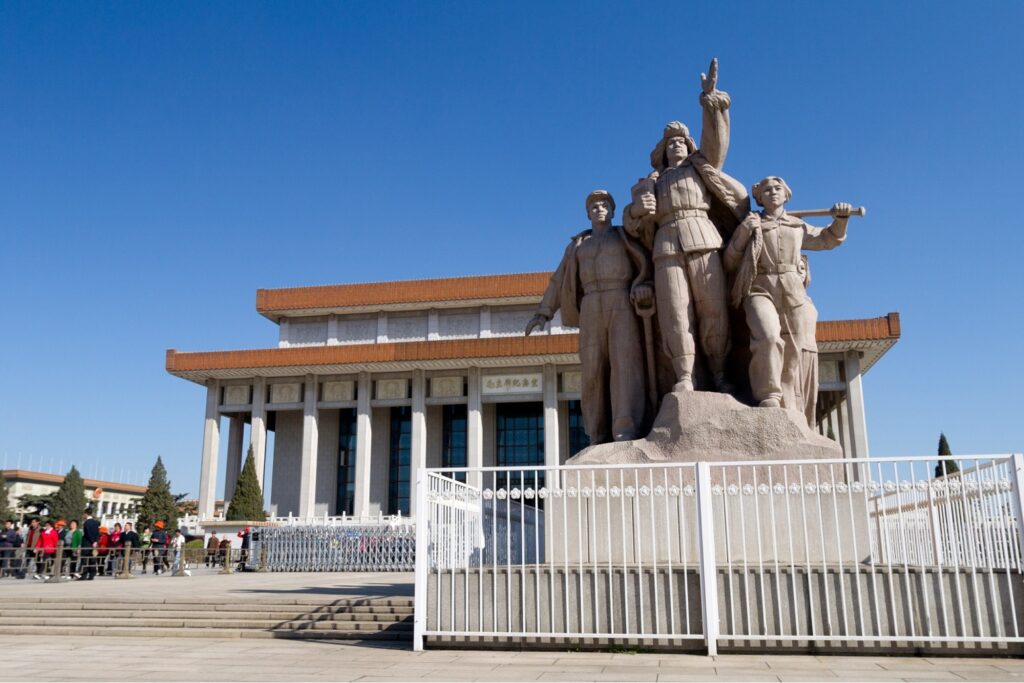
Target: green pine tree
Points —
{"points": [[158, 502], [946, 466], [831, 434], [247, 500], [5, 504], [69, 500]]}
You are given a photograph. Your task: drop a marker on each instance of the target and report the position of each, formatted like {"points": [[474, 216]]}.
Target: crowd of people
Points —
{"points": [[86, 550]]}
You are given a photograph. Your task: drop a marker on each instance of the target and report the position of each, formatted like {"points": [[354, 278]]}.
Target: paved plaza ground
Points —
{"points": [[79, 658]]}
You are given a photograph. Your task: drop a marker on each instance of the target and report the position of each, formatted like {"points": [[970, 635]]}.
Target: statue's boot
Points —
{"points": [[683, 368]]}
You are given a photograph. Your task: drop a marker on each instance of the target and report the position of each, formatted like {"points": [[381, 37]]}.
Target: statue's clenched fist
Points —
{"points": [[537, 322], [842, 210], [645, 205], [642, 295]]}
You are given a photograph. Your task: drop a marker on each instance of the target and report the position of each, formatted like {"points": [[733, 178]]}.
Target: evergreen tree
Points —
{"points": [[69, 500], [247, 500], [158, 502], [37, 505], [831, 434], [5, 505], [945, 466]]}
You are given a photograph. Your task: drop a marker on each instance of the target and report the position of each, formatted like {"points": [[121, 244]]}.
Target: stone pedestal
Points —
{"points": [[705, 426]]}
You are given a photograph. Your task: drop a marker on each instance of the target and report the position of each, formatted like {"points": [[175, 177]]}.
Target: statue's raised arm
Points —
{"points": [[714, 134]]}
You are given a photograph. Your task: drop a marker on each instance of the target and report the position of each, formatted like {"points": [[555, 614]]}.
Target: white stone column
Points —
{"points": [[307, 481], [418, 429], [433, 325], [551, 455], [211, 448], [236, 433], [258, 428], [363, 444], [856, 422], [332, 330], [474, 428]]}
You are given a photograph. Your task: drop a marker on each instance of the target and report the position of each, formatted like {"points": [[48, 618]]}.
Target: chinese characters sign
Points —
{"points": [[511, 384]]}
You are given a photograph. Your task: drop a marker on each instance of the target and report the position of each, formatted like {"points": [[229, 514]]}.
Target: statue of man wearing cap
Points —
{"points": [[603, 274], [680, 212]]}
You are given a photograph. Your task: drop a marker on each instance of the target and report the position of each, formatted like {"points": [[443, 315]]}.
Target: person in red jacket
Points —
{"points": [[102, 550], [46, 549]]}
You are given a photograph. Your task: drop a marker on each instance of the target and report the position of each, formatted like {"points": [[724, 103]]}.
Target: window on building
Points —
{"points": [[346, 500], [453, 439], [400, 464], [520, 441], [578, 439]]}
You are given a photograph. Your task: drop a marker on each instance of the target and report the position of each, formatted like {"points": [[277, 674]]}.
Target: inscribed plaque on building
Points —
{"points": [[236, 394], [290, 392], [389, 389], [343, 390], [572, 382], [530, 383], [446, 387]]}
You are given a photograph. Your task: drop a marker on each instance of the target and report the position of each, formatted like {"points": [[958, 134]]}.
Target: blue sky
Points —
{"points": [[160, 162]]}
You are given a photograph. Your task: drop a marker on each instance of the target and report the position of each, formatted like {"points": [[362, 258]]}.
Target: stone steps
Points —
{"points": [[211, 614], [193, 622], [175, 632], [374, 618]]}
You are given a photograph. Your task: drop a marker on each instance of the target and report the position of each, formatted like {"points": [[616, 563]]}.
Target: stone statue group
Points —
{"points": [[694, 291]]}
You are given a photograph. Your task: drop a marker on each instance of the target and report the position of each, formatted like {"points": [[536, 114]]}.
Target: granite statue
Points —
{"points": [[604, 276], [680, 212], [764, 253]]}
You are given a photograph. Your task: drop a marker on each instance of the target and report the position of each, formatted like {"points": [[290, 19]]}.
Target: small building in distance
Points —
{"points": [[370, 382], [110, 499]]}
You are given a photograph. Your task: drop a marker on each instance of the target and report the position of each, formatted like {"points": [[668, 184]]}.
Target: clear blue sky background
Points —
{"points": [[160, 162]]}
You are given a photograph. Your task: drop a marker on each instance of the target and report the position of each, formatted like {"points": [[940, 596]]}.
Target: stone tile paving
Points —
{"points": [[192, 659]]}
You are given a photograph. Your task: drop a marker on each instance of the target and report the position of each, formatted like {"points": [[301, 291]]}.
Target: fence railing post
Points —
{"points": [[706, 550], [422, 561], [56, 570], [1018, 487], [125, 572]]}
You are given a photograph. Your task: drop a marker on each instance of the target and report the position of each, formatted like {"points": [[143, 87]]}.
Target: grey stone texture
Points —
{"points": [[705, 426]]}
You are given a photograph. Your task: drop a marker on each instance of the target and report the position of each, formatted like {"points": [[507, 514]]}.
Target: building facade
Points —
{"points": [[370, 382], [109, 499]]}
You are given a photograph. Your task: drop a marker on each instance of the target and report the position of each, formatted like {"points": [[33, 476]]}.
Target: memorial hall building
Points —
{"points": [[370, 382]]}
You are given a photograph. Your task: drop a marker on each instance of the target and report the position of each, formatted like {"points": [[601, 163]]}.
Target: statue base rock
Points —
{"points": [[706, 426]]}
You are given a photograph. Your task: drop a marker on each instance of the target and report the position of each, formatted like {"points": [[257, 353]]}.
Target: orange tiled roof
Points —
{"points": [[374, 353], [403, 292], [884, 328]]}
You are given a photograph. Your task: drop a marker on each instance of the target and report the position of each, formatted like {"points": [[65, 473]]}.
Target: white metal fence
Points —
{"points": [[335, 548], [822, 552]]}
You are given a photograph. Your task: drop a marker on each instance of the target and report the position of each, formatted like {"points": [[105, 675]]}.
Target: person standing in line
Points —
{"points": [[90, 546], [101, 550], [31, 541], [46, 551], [10, 543], [159, 540], [147, 547], [73, 542], [211, 550], [130, 541], [178, 546]]}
